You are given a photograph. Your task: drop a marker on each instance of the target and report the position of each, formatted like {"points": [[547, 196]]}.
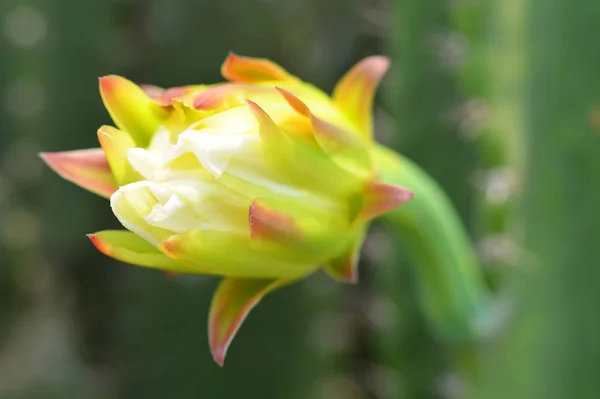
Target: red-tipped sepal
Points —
{"points": [[239, 69], [380, 198], [128, 247], [270, 225], [344, 267], [231, 304], [354, 93], [86, 168]]}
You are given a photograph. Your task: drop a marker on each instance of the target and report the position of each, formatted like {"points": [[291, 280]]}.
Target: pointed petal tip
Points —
{"points": [[345, 267], [351, 277], [108, 83], [355, 91], [378, 63], [218, 355], [52, 159], [44, 156], [381, 198], [98, 243], [241, 69], [252, 105], [294, 102], [232, 56], [87, 168], [102, 133], [268, 128], [233, 300]]}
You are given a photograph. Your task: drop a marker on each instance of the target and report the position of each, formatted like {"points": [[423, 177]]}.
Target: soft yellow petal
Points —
{"points": [[115, 144]]}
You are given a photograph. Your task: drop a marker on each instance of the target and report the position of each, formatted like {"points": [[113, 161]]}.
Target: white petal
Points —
{"points": [[130, 204], [233, 121], [214, 150], [175, 215]]}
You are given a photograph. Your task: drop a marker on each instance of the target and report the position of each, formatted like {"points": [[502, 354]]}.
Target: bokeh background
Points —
{"points": [[498, 99]]}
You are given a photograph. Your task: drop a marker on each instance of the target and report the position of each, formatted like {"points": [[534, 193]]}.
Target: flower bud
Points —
{"points": [[261, 180]]}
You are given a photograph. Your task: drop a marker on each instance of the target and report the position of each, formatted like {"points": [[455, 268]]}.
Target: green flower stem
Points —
{"points": [[453, 292]]}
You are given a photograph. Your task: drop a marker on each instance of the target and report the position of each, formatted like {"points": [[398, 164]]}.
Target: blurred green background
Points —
{"points": [[498, 99]]}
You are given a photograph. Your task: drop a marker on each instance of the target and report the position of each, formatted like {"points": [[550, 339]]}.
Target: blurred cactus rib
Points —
{"points": [[549, 91], [424, 98]]}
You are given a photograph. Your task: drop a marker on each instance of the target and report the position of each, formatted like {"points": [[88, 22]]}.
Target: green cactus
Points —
{"points": [[550, 90]]}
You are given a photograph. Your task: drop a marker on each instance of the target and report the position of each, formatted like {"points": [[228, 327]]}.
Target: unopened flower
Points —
{"points": [[261, 180]]}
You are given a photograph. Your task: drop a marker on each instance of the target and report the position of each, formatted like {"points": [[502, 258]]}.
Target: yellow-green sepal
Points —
{"points": [[232, 302], [115, 144], [203, 249], [132, 109], [344, 267], [128, 247], [354, 93]]}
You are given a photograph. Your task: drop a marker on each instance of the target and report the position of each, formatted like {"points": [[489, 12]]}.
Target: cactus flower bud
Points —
{"points": [[261, 180]]}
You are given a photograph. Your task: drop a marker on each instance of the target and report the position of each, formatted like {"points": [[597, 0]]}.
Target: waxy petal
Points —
{"points": [[128, 247], [344, 268], [115, 144], [86, 168], [354, 93], [380, 198], [231, 304], [131, 108], [239, 69]]}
